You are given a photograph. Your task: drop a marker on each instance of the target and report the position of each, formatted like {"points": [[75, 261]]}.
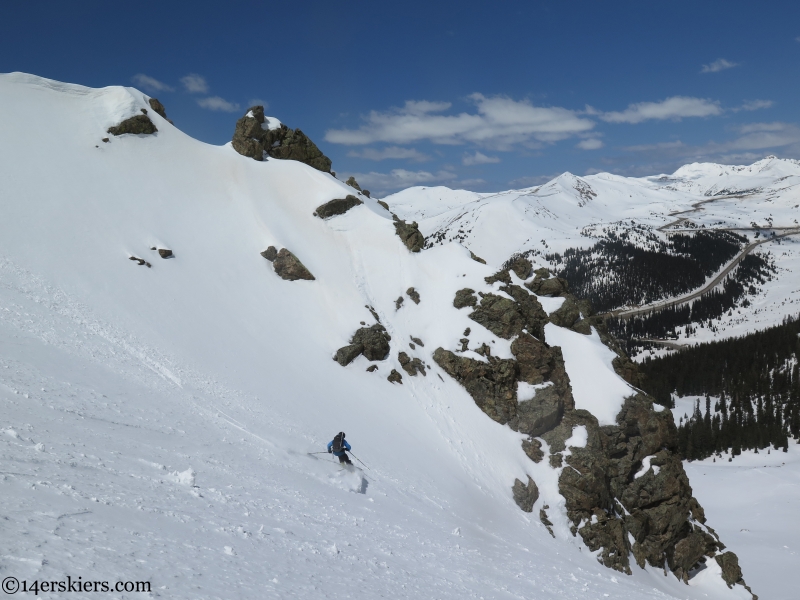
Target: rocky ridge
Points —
{"points": [[254, 137], [627, 494]]}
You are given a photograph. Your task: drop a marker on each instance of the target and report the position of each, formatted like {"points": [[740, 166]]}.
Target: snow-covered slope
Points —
{"points": [[156, 421]]}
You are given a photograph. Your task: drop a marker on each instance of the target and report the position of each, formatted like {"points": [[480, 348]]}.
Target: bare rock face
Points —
{"points": [[525, 495], [410, 234], [338, 206], [270, 253], [476, 258], [351, 181], [165, 253], [626, 491], [372, 342], [254, 139], [289, 267], [159, 109], [395, 377], [412, 366], [413, 294], [139, 124]]}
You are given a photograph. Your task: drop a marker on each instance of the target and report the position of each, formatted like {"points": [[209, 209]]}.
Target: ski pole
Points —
{"points": [[359, 460], [325, 452]]}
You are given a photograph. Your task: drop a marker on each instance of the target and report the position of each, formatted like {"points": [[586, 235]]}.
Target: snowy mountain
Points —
{"points": [[180, 327]]}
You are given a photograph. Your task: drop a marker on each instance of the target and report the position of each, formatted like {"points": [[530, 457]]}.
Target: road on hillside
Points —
{"points": [[626, 314]]}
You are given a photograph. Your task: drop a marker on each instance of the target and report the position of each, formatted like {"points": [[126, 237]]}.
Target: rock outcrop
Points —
{"points": [[412, 366], [254, 138], [165, 253], [627, 494], [338, 206], [410, 234], [138, 124], [287, 265], [159, 109], [372, 342]]}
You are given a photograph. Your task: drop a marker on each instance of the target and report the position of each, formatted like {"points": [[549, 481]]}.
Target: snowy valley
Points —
{"points": [[181, 325]]}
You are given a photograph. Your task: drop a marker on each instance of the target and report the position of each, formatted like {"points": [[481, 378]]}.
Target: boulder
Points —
{"points": [[395, 377], [254, 139], [492, 385], [525, 495], [507, 318], [159, 109], [533, 449], [731, 572], [476, 258], [338, 206], [165, 253], [372, 342], [465, 297], [567, 314], [413, 294], [410, 234], [351, 181], [289, 267], [139, 124], [412, 366], [270, 253]]}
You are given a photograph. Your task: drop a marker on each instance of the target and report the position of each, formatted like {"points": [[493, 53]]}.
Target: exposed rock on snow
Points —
{"points": [[525, 495], [165, 253], [138, 124], [476, 258], [159, 109], [289, 267], [533, 449], [413, 294], [372, 342], [351, 181], [410, 234], [412, 366], [338, 206], [465, 297], [140, 261], [395, 377], [254, 137], [270, 253]]}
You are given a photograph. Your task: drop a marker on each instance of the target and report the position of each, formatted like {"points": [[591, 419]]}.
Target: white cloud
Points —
{"points": [[676, 108], [390, 152], [718, 65], [401, 178], [590, 144], [755, 105], [217, 103], [151, 83], [758, 136], [195, 84], [797, 39], [499, 123], [479, 159]]}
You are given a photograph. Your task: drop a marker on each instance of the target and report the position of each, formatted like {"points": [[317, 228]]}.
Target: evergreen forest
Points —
{"points": [[751, 386]]}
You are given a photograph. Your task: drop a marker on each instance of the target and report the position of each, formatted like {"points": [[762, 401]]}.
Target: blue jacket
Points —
{"points": [[346, 447]]}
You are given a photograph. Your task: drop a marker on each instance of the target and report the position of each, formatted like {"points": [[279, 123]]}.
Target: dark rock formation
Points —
{"points": [[545, 521], [417, 341], [413, 294], [140, 261], [159, 109], [139, 124], [412, 366], [383, 204], [372, 342], [465, 297], [507, 318], [270, 253], [165, 253], [289, 267], [366, 193], [351, 181], [395, 377], [251, 139], [372, 368], [410, 234], [398, 303], [476, 258], [521, 266], [525, 495], [338, 206], [617, 506]]}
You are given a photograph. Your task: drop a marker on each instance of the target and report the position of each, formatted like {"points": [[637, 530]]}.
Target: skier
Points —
{"points": [[337, 446]]}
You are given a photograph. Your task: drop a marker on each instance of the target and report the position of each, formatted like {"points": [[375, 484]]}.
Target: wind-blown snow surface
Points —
{"points": [[156, 421]]}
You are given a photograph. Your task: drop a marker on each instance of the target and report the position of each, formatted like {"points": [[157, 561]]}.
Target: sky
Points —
{"points": [[484, 96]]}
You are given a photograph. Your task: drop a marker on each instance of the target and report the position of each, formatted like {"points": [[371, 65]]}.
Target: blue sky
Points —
{"points": [[480, 95]]}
